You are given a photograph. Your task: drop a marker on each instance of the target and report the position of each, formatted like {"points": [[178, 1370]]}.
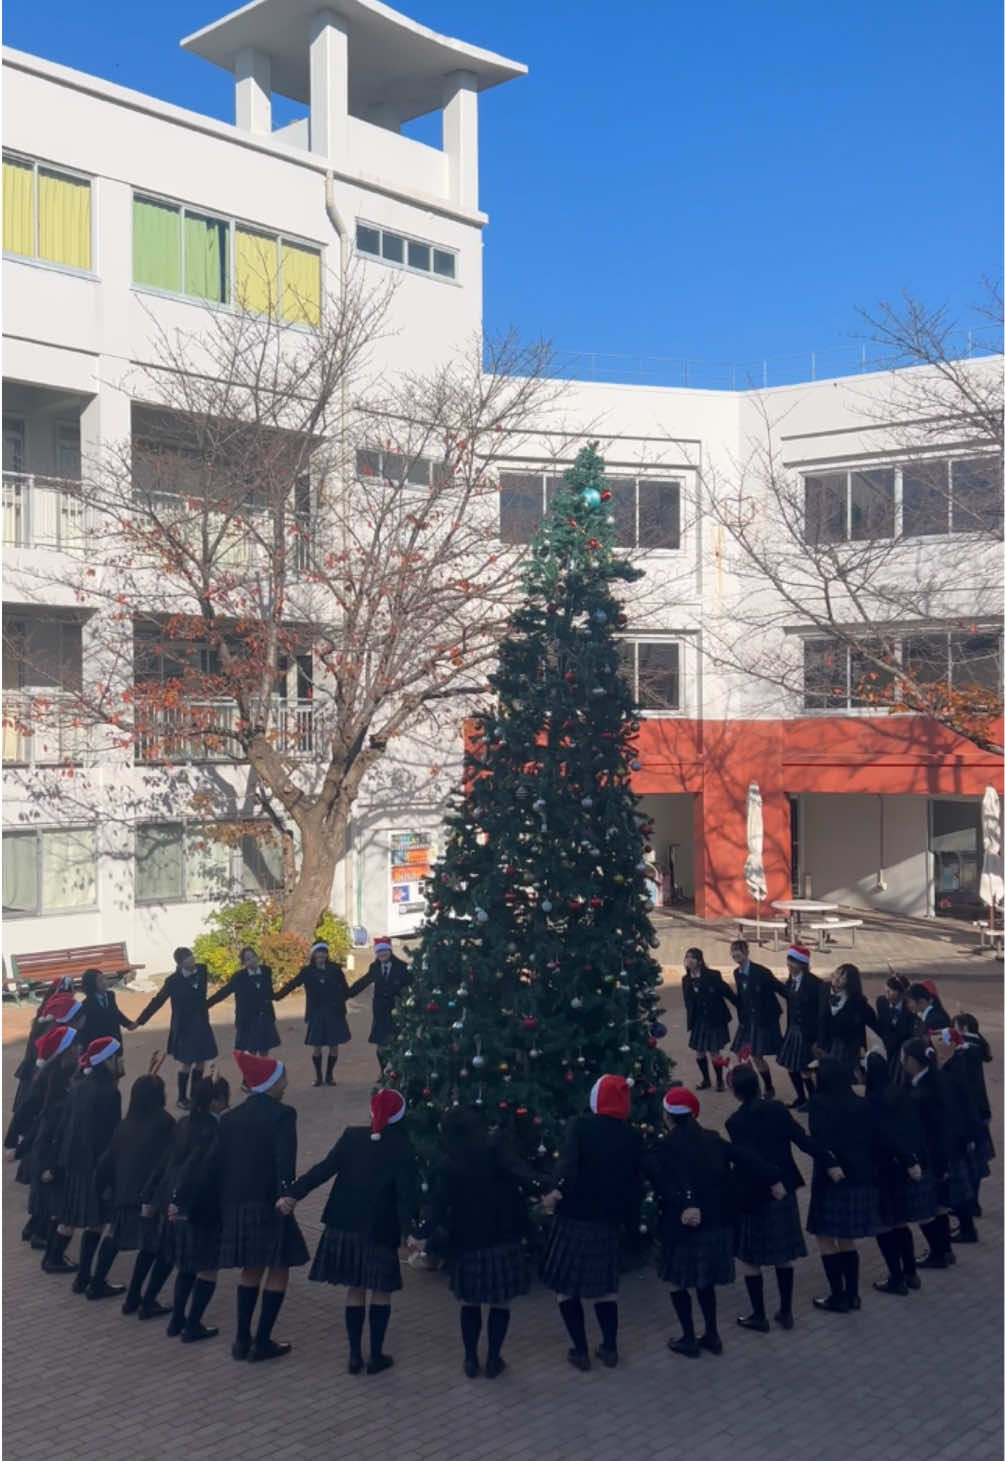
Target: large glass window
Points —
{"points": [[652, 669], [49, 871], [646, 510], [925, 498], [837, 676], [176, 863], [46, 214]]}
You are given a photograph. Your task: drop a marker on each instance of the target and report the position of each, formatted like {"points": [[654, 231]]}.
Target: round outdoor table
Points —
{"points": [[794, 908]]}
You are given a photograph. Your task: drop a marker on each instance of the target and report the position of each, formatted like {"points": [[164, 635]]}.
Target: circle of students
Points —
{"points": [[219, 1188]]}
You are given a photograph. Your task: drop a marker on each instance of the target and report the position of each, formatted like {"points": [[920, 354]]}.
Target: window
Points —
{"points": [[407, 253], [183, 251], [646, 510], [396, 468], [962, 661], [176, 863], [46, 214], [838, 676], [925, 498], [652, 669], [49, 871]]}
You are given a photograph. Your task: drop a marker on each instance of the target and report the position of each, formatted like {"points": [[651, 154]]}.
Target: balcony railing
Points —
{"points": [[203, 731], [43, 512], [41, 730]]}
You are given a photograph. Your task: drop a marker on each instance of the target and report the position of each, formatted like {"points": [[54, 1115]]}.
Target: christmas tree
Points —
{"points": [[534, 974]]}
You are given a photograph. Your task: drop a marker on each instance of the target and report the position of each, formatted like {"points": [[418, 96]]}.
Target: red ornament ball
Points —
{"points": [[432, 1007], [593, 543], [503, 1105], [570, 1076], [605, 496], [427, 1092], [529, 1022], [570, 677], [651, 1041], [521, 1110], [596, 902]]}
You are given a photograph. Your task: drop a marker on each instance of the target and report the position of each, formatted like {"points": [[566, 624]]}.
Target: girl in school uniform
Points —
{"points": [[61, 1010], [979, 1053], [844, 1203], [904, 1181], [705, 1001], [928, 1092], [372, 1201], [845, 1015], [597, 1190], [966, 1128], [28, 1066], [327, 992], [100, 1016], [57, 1057], [895, 1021], [190, 1039], [803, 993], [254, 1013], [93, 1111]]}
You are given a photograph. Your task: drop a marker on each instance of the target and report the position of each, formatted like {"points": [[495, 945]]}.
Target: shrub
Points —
{"points": [[259, 924]]}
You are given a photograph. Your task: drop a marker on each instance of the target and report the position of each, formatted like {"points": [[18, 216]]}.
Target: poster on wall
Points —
{"points": [[412, 855]]}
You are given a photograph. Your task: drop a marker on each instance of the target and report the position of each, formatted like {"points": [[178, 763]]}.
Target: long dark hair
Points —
{"points": [[89, 980], [146, 1098], [852, 979], [697, 953], [207, 1090]]}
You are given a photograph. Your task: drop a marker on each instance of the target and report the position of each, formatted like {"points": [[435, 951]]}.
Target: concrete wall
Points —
{"points": [[852, 845]]}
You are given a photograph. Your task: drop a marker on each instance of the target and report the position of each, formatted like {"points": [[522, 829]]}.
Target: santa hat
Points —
{"points": [[952, 1036], [801, 955], [930, 985], [612, 1096], [60, 1007], [679, 1101], [319, 945], [384, 942], [386, 1107], [98, 1052], [53, 1043], [260, 1072]]}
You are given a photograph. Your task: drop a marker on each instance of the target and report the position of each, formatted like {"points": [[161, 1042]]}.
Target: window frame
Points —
{"points": [[235, 884], [848, 705], [75, 175], [37, 833], [554, 473], [635, 641], [948, 458], [408, 485], [407, 240]]}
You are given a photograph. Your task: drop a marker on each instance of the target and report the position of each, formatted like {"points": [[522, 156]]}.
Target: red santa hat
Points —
{"points": [[260, 1072], [801, 955], [98, 1052], [612, 1096], [60, 1007], [679, 1101], [383, 942], [930, 985], [952, 1036], [53, 1043], [386, 1107]]}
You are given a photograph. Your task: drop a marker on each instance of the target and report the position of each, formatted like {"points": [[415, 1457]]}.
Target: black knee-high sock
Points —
{"points": [[159, 1272], [706, 1300], [942, 1222], [247, 1298], [849, 1273], [107, 1253], [316, 1062], [330, 1065], [57, 1244], [88, 1247], [834, 1269], [769, 1086], [354, 1316], [183, 1085], [497, 1327], [571, 1311], [755, 1288], [380, 1317], [272, 1302], [142, 1266], [798, 1085], [182, 1288], [607, 1317], [681, 1301], [703, 1066], [907, 1254], [202, 1291], [965, 1217], [937, 1233], [786, 1283], [471, 1329], [889, 1245]]}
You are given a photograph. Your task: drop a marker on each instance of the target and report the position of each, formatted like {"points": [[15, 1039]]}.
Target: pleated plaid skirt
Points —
{"points": [[327, 1028], [193, 1044], [902, 1201], [256, 1034], [46, 1200], [707, 1039], [699, 1258], [843, 1210], [128, 1228], [762, 1039], [581, 1259], [355, 1262], [82, 1206], [795, 1051], [254, 1235], [189, 1247], [772, 1236], [957, 1189], [489, 1275]]}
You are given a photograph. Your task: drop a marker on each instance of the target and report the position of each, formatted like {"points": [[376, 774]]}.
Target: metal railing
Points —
{"points": [[43, 512], [205, 731], [41, 729]]}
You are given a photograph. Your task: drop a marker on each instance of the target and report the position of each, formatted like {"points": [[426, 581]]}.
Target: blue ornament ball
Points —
{"points": [[657, 1029], [591, 496]]}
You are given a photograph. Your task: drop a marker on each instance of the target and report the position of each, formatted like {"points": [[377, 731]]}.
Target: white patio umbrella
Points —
{"points": [[992, 887], [753, 868]]}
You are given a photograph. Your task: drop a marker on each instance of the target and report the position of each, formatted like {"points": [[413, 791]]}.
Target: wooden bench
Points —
{"points": [[830, 926], [758, 926], [31, 971]]}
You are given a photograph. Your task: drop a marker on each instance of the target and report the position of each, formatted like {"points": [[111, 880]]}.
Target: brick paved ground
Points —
{"points": [[906, 1380]]}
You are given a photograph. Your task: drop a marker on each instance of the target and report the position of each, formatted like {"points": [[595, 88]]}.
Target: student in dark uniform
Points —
{"points": [[895, 1022], [372, 1202], [254, 1013], [25, 1072], [255, 1159], [803, 994], [189, 1240], [57, 1060], [708, 1017], [768, 1231], [598, 1192], [967, 1130], [190, 1038], [59, 1008], [130, 1165], [924, 1003], [979, 1052], [691, 1171], [327, 991], [905, 1184], [925, 1078], [479, 1221], [93, 1111], [100, 1017], [390, 976], [760, 1015], [844, 1203], [845, 1014]]}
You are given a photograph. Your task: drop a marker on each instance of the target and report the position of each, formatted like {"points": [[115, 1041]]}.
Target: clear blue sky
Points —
{"points": [[723, 180]]}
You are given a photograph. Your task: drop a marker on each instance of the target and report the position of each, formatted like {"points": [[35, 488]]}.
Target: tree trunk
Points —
{"points": [[310, 894]]}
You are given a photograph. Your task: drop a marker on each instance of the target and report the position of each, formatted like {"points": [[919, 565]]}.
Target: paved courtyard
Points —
{"points": [[902, 1380]]}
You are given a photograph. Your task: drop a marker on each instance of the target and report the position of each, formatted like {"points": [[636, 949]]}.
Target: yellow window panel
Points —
{"points": [[256, 267], [18, 208], [301, 304], [64, 220]]}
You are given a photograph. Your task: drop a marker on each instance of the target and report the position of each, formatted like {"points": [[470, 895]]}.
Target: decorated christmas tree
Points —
{"points": [[534, 974]]}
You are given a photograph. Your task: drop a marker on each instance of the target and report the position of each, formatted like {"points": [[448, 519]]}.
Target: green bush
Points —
{"points": [[260, 926]]}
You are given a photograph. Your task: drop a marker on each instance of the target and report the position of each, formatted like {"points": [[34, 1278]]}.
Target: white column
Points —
{"points": [[329, 116], [460, 138], [253, 91]]}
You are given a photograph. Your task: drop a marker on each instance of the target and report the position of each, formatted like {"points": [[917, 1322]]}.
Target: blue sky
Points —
{"points": [[722, 181]]}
